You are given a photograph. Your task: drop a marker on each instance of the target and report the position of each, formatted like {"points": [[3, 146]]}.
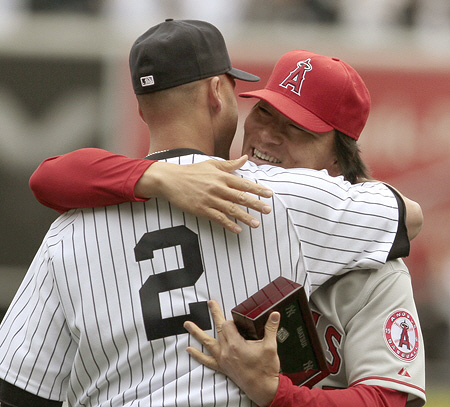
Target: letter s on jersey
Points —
{"points": [[332, 338]]}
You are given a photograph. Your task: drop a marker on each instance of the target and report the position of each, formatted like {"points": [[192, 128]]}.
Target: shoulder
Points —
{"points": [[305, 175], [371, 278], [357, 288], [65, 225], [393, 270], [317, 182]]}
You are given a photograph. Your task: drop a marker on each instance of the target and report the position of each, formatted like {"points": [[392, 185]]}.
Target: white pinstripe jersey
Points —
{"points": [[374, 337], [98, 318]]}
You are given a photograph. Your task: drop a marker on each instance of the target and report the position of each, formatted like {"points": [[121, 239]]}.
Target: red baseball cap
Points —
{"points": [[317, 92]]}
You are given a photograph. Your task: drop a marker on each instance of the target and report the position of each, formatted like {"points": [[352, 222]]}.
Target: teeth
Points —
{"points": [[265, 157]]}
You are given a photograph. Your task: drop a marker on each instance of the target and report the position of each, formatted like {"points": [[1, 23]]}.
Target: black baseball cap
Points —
{"points": [[176, 52]]}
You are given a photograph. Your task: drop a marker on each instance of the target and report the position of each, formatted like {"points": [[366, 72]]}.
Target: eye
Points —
{"points": [[296, 129], [300, 131], [264, 111]]}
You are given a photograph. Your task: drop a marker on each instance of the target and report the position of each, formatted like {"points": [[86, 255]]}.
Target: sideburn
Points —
{"points": [[349, 160]]}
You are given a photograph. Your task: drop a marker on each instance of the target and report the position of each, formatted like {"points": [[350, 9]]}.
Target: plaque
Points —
{"points": [[301, 355]]}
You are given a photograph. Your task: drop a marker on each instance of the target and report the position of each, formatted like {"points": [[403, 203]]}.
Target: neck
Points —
{"points": [[181, 136], [180, 118]]}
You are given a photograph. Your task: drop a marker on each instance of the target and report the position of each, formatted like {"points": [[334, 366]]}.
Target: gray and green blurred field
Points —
{"points": [[438, 397]]}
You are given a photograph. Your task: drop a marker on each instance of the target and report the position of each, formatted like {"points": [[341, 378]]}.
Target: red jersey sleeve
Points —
{"points": [[87, 177], [289, 395]]}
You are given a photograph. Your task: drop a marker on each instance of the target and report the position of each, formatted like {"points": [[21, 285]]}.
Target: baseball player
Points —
{"points": [[382, 345], [99, 317], [366, 320], [368, 326]]}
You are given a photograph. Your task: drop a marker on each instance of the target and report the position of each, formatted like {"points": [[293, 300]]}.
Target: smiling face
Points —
{"points": [[272, 138]]}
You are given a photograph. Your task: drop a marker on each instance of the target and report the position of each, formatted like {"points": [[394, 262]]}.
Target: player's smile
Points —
{"points": [[273, 139], [260, 156]]}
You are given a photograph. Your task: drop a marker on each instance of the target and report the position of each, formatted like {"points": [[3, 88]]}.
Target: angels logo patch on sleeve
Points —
{"points": [[401, 335]]}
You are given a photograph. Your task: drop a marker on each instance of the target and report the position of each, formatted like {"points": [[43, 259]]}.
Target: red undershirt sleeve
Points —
{"points": [[87, 177], [289, 395]]}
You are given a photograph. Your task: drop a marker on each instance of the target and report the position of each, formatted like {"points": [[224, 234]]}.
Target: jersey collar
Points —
{"points": [[176, 152]]}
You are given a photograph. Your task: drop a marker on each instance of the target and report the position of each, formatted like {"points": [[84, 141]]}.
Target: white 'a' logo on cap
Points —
{"points": [[297, 76]]}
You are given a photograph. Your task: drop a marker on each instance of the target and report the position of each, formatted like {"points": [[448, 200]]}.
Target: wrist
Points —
{"points": [[263, 392], [151, 182]]}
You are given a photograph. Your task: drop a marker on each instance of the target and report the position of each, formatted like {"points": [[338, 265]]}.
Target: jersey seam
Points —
{"points": [[387, 379]]}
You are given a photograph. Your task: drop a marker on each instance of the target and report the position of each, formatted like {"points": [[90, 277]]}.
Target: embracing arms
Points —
{"points": [[95, 177]]}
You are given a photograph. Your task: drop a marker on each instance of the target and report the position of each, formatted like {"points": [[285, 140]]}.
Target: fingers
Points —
{"points": [[271, 327], [231, 165], [246, 185], [217, 314], [210, 343], [218, 215], [239, 193], [200, 357], [227, 203], [244, 199], [222, 197], [240, 183], [207, 340]]}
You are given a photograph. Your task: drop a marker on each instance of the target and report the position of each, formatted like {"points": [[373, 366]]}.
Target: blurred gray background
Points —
{"points": [[64, 85]]}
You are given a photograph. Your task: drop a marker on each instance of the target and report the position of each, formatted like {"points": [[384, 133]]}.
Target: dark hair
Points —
{"points": [[349, 161]]}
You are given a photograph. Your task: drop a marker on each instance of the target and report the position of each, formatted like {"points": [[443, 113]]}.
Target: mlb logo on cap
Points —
{"points": [[177, 52], [147, 80]]}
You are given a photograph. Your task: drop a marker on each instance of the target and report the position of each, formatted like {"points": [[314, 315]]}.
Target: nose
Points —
{"points": [[270, 135]]}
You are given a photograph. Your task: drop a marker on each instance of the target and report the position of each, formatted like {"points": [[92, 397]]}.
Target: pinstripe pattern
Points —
{"points": [[51, 344]]}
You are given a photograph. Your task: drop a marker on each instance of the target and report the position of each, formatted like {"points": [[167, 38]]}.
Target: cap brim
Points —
{"points": [[242, 75], [291, 110]]}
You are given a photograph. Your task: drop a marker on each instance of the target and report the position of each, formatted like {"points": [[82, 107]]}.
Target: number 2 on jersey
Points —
{"points": [[157, 327]]}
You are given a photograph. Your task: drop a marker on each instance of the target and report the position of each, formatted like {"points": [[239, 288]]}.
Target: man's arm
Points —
{"points": [[413, 214], [206, 189], [289, 395], [254, 367], [94, 177], [216, 192], [87, 177]]}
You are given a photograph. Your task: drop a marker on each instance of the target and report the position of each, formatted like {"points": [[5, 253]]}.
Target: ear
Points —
{"points": [[214, 92]]}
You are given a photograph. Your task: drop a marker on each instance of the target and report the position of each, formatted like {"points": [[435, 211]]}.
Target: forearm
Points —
{"points": [[289, 395], [87, 177], [93, 177], [155, 182], [414, 217]]}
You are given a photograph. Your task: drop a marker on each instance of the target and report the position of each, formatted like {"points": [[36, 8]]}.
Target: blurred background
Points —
{"points": [[64, 84]]}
